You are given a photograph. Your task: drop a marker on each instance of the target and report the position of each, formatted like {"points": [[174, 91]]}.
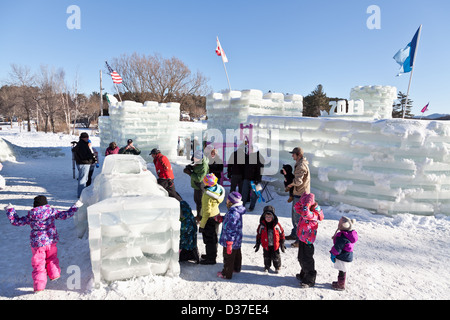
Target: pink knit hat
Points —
{"points": [[210, 180]]}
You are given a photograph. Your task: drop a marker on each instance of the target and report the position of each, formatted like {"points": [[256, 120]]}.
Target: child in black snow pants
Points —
{"points": [[270, 235]]}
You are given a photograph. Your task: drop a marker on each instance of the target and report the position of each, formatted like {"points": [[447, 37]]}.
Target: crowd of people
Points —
{"points": [[206, 172]]}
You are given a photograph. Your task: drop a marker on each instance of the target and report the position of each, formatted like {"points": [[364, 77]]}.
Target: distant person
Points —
{"points": [[215, 164], [165, 173], [188, 234], [197, 171], [130, 149], [94, 165], [254, 162], [236, 168], [84, 158], [43, 238], [112, 149], [300, 185]]}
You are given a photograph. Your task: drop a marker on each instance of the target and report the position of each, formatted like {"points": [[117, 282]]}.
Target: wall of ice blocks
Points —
{"points": [[387, 166], [150, 125], [133, 226], [227, 110]]}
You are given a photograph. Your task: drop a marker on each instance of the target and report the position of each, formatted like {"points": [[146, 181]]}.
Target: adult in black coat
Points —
{"points": [[84, 157]]}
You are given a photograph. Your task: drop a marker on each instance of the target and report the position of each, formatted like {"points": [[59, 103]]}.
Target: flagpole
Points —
{"points": [[412, 70], [229, 86], [118, 92]]}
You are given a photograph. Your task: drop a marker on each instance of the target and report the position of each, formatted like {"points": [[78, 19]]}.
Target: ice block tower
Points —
{"points": [[150, 125], [378, 100], [133, 225]]}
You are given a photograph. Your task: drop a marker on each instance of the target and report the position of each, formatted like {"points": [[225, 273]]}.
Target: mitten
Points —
{"points": [[257, 245], [78, 204], [282, 246], [333, 257], [229, 247], [200, 230], [218, 218], [9, 206]]}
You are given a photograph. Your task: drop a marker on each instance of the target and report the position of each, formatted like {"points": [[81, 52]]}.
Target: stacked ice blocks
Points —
{"points": [[134, 227]]}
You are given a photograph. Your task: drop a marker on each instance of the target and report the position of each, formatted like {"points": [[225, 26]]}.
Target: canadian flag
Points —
{"points": [[220, 51]]}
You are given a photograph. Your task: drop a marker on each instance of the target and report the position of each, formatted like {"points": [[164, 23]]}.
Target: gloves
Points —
{"points": [[78, 204], [200, 230], [9, 206], [257, 245], [218, 218], [333, 258], [229, 247], [282, 246]]}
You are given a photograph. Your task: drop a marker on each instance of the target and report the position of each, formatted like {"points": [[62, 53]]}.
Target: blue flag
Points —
{"points": [[405, 57]]}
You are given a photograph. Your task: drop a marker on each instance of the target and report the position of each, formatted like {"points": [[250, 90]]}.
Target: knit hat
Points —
{"points": [[234, 197], [346, 224], [210, 180], [269, 209], [40, 201]]}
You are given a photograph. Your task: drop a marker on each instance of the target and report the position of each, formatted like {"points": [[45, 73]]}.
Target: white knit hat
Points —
{"points": [[347, 224]]}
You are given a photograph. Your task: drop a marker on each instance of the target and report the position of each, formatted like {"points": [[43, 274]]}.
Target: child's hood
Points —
{"points": [[275, 218], [352, 236], [238, 208], [216, 192]]}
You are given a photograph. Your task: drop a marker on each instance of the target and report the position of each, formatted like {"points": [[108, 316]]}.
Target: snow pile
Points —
{"points": [[6, 153], [227, 110], [133, 225], [149, 125], [388, 166]]}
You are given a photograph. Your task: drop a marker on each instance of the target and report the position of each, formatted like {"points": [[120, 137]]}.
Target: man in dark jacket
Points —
{"points": [[84, 158], [254, 162], [235, 168]]}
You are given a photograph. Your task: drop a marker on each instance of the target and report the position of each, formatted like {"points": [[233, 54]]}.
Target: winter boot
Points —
{"points": [[340, 284]]}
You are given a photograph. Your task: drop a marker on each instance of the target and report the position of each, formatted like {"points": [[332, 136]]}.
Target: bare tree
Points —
{"points": [[160, 79], [51, 84], [23, 79]]}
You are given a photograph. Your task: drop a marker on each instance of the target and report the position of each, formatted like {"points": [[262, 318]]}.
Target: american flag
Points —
{"points": [[116, 78]]}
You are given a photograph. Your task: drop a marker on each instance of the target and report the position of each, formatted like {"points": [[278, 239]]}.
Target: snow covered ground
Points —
{"points": [[400, 257]]}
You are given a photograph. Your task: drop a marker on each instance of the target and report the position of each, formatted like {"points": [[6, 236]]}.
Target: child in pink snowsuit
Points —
{"points": [[43, 238]]}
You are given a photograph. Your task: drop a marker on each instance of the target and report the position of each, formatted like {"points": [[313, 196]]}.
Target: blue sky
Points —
{"points": [[283, 46]]}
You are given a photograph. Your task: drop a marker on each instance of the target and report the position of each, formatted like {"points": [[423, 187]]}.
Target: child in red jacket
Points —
{"points": [[270, 235]]}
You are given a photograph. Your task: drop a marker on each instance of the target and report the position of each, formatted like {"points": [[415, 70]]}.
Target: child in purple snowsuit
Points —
{"points": [[43, 238], [342, 251]]}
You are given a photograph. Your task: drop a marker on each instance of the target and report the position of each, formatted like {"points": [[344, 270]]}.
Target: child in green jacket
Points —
{"points": [[212, 197]]}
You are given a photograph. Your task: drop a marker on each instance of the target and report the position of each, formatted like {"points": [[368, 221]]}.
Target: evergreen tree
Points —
{"points": [[399, 104], [314, 102]]}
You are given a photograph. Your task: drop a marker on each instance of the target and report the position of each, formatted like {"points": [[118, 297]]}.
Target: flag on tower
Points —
{"points": [[220, 52], [405, 57], [116, 78]]}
